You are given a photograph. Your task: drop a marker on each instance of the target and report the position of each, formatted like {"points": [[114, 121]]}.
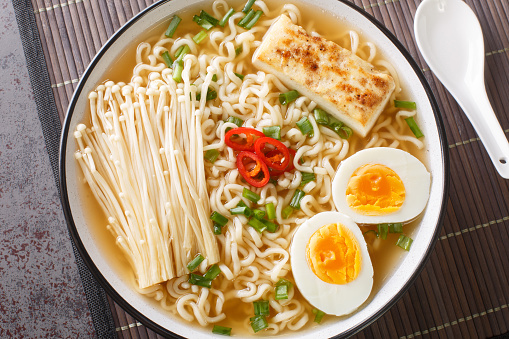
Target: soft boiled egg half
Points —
{"points": [[381, 185], [330, 263]]}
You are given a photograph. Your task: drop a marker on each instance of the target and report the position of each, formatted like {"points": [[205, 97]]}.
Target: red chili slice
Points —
{"points": [[253, 169], [234, 138], [273, 152], [290, 167]]}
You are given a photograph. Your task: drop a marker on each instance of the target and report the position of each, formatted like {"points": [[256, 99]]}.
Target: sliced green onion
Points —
{"points": [[345, 132], [211, 94], [248, 6], [396, 227], [286, 212], [253, 21], [241, 210], [203, 23], [318, 315], [240, 76], [245, 20], [178, 67], [288, 97], [181, 52], [211, 155], [297, 197], [371, 231], [413, 127], [258, 214], [404, 242], [226, 17], [238, 50], [242, 204], [305, 126], [199, 37], [283, 281], [257, 224], [222, 330], [271, 227], [175, 21], [273, 132], [167, 59], [271, 211], [214, 77], [321, 117], [218, 218], [281, 292], [383, 230], [405, 104], [250, 195], [235, 120], [198, 280], [273, 181], [217, 229], [193, 264], [261, 307], [212, 272], [208, 17], [307, 177], [258, 323]]}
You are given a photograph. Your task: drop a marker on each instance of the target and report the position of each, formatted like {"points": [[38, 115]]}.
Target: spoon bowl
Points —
{"points": [[450, 39]]}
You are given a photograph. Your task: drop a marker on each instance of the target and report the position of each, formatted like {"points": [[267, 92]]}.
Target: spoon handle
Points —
{"points": [[478, 109]]}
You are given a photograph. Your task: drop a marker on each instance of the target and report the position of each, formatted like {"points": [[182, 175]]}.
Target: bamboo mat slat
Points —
{"points": [[463, 291]]}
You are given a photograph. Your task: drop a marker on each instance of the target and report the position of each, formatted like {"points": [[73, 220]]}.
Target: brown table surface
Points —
{"points": [[463, 290]]}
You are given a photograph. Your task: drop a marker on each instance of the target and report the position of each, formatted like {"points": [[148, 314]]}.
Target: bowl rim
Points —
{"points": [[148, 322]]}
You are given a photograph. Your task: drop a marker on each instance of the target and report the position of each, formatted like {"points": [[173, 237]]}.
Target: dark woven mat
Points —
{"points": [[463, 291]]}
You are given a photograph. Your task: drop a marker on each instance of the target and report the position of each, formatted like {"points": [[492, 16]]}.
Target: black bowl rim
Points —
{"points": [[131, 309]]}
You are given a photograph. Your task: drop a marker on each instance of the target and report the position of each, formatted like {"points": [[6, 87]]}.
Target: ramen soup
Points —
{"points": [[257, 165]]}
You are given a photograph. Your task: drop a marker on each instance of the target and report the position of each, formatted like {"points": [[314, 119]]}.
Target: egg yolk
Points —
{"points": [[334, 255], [375, 189]]}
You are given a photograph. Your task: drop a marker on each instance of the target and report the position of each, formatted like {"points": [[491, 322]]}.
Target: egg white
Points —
{"points": [[412, 172], [330, 298]]}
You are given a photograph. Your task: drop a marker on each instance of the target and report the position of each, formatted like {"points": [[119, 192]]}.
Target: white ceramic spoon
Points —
{"points": [[450, 39]]}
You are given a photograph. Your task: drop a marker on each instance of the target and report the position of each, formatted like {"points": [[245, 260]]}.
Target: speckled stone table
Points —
{"points": [[41, 295]]}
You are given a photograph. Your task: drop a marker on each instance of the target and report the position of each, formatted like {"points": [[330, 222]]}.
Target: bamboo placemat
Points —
{"points": [[462, 292]]}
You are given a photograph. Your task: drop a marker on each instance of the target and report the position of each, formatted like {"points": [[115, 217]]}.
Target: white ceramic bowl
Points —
{"points": [[144, 309]]}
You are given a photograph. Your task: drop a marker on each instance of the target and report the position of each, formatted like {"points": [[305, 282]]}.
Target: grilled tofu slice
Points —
{"points": [[341, 83]]}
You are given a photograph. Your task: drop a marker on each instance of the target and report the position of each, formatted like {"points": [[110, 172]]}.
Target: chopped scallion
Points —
{"points": [[258, 214], [193, 264], [199, 37], [242, 204], [240, 76], [261, 307], [305, 126], [198, 280], [208, 17], [178, 67], [253, 21], [248, 6], [259, 323], [257, 224], [404, 242], [371, 231], [211, 94], [218, 218], [283, 281], [286, 212], [245, 20], [221, 330], [211, 155], [214, 77], [271, 211], [288, 97], [297, 197], [217, 229], [241, 210], [250, 195], [181, 52], [383, 230], [321, 117], [238, 50], [324, 119], [318, 315], [307, 177], [226, 17], [203, 23], [405, 104], [396, 228], [413, 127], [167, 59], [235, 120], [281, 292], [273, 132], [212, 272], [175, 21], [271, 227]]}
